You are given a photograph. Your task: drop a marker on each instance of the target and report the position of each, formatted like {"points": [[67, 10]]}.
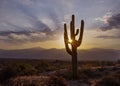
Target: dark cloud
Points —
{"points": [[112, 23], [21, 37], [109, 37]]}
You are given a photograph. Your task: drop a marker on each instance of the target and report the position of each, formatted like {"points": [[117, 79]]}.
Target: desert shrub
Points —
{"points": [[109, 81], [16, 70], [24, 69], [117, 75], [43, 66], [6, 74], [67, 74], [36, 81], [56, 81], [82, 74], [27, 81], [1, 85], [88, 73]]}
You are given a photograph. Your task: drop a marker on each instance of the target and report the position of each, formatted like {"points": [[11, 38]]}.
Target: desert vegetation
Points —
{"points": [[26, 72]]}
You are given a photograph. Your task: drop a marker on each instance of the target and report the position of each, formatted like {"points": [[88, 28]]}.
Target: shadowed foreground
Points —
{"points": [[57, 73]]}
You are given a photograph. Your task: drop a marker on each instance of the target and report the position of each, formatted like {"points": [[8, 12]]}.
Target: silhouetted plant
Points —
{"points": [[109, 81], [43, 66], [16, 70], [73, 43], [6, 74], [56, 81], [24, 69]]}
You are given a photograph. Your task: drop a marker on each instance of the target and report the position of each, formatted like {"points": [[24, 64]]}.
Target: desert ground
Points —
{"points": [[31, 72]]}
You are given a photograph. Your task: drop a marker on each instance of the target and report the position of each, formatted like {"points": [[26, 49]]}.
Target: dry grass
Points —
{"points": [[109, 81], [36, 81], [28, 81]]}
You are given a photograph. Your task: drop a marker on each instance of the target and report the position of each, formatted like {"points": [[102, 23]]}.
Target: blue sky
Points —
{"points": [[33, 23]]}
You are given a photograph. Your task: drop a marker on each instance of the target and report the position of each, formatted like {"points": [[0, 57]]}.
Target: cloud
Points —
{"points": [[108, 34], [104, 18], [41, 20], [25, 24], [20, 15], [108, 37], [27, 36], [112, 22], [109, 25]]}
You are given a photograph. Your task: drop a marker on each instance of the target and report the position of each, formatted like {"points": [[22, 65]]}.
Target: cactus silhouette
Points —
{"points": [[71, 41]]}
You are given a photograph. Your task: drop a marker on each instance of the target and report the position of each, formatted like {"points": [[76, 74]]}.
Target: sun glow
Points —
{"points": [[70, 40]]}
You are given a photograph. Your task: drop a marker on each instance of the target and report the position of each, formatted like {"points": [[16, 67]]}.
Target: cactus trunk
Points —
{"points": [[74, 44], [74, 62]]}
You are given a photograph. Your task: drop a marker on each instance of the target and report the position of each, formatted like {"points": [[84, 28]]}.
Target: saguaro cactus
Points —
{"points": [[73, 43]]}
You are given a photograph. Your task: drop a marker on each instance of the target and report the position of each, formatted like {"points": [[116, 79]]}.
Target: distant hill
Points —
{"points": [[61, 54]]}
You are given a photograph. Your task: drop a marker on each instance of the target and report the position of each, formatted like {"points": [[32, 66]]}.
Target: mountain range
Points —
{"points": [[61, 54]]}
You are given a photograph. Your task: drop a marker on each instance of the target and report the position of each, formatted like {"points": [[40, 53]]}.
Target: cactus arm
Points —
{"points": [[66, 40], [72, 28], [68, 49], [77, 31], [81, 33], [73, 23]]}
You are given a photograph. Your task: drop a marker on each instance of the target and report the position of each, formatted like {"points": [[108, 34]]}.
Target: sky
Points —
{"points": [[39, 23]]}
